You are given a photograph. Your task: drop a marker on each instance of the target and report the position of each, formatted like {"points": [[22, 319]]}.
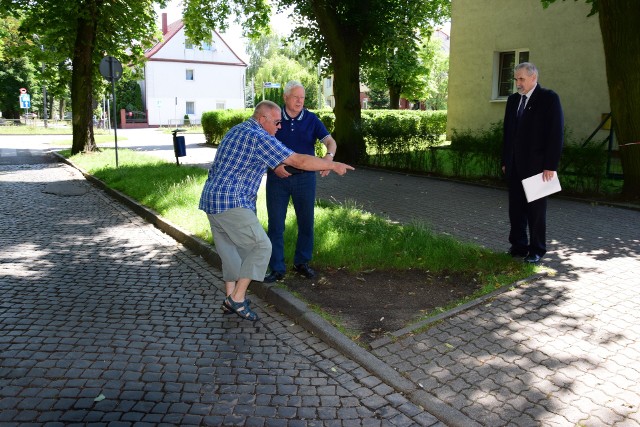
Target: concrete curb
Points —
{"points": [[298, 311]]}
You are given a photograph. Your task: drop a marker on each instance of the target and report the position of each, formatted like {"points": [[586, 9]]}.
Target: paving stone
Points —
{"points": [[113, 288]]}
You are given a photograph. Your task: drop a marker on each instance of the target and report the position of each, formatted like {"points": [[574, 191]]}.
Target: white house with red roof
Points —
{"points": [[184, 78]]}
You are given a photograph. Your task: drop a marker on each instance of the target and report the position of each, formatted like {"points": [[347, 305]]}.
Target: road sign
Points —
{"points": [[271, 85], [110, 68], [25, 100], [23, 90]]}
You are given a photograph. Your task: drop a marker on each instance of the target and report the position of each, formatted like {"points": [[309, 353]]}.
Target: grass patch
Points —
{"points": [[52, 129], [23, 129], [344, 235], [100, 139]]}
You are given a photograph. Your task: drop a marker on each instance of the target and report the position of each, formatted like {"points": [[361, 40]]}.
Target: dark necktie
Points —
{"points": [[523, 101]]}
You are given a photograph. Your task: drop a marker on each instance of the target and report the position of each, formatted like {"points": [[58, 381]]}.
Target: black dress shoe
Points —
{"points": [[273, 276], [532, 259], [305, 270]]}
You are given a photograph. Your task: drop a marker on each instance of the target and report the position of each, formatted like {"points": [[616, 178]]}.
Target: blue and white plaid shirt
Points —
{"points": [[244, 155]]}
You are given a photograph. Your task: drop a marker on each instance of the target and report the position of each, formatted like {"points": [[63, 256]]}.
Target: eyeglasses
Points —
{"points": [[275, 122]]}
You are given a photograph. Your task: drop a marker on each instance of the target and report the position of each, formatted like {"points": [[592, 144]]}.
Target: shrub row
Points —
{"points": [[385, 131], [413, 141], [479, 154]]}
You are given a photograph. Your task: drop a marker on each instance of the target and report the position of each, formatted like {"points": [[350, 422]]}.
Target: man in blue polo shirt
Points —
{"points": [[229, 199], [299, 131]]}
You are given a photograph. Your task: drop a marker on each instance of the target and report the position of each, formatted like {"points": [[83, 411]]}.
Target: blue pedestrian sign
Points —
{"points": [[25, 100]]}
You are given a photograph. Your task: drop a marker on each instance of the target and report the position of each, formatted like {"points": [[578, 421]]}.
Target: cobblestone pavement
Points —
{"points": [[105, 320], [559, 351], [562, 351]]}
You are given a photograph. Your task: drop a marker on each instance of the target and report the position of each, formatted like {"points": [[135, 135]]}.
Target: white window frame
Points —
{"points": [[520, 55], [193, 75], [220, 105], [188, 44], [190, 107]]}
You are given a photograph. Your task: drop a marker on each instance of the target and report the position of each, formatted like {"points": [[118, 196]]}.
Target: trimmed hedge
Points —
{"points": [[385, 131], [216, 123], [412, 141]]}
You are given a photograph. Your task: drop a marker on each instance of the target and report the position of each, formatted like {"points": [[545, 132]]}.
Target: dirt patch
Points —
{"points": [[374, 303]]}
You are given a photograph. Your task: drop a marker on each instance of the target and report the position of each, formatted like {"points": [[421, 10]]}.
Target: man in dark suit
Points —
{"points": [[533, 137]]}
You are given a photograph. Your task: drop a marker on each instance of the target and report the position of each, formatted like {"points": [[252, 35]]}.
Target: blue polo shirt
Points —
{"points": [[300, 133]]}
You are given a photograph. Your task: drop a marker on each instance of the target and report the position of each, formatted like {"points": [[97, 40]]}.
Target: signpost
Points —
{"points": [[25, 101], [111, 69], [269, 85]]}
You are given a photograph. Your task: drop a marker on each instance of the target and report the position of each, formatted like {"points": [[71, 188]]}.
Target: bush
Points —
{"points": [[404, 139], [478, 151], [582, 169], [216, 123]]}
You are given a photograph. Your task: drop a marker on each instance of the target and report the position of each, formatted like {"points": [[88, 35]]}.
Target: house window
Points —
{"points": [[188, 44], [207, 46], [506, 62], [190, 108], [327, 83], [220, 105], [189, 74]]}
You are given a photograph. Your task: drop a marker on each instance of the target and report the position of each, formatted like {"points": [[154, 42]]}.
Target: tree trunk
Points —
{"points": [[348, 124], [345, 44], [619, 27], [82, 80], [394, 96]]}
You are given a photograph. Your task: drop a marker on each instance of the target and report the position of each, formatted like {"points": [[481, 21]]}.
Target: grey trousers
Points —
{"points": [[242, 244]]}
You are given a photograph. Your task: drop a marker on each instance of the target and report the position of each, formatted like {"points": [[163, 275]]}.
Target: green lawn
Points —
{"points": [[345, 235]]}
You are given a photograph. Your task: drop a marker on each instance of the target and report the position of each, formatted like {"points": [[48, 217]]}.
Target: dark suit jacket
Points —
{"points": [[534, 144]]}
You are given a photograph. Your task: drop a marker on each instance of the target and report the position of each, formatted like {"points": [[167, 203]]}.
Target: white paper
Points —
{"points": [[535, 188]]}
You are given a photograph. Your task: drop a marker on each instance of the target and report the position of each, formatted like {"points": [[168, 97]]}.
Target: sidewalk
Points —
{"points": [[106, 320], [562, 351]]}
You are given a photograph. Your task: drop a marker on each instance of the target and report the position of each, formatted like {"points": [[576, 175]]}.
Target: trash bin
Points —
{"points": [[179, 148]]}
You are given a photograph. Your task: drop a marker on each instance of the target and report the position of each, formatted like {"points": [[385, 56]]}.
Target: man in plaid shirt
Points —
{"points": [[229, 199]]}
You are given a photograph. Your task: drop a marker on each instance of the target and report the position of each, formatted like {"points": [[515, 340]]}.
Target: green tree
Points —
{"points": [[273, 59], [260, 49], [619, 27], [397, 67], [437, 82], [128, 91], [82, 32], [341, 31], [378, 98], [16, 70]]}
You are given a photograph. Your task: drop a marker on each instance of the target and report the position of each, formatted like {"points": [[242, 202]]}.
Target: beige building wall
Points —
{"points": [[562, 41]]}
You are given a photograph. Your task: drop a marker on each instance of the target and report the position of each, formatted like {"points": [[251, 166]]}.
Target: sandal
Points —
{"points": [[241, 309], [226, 310]]}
